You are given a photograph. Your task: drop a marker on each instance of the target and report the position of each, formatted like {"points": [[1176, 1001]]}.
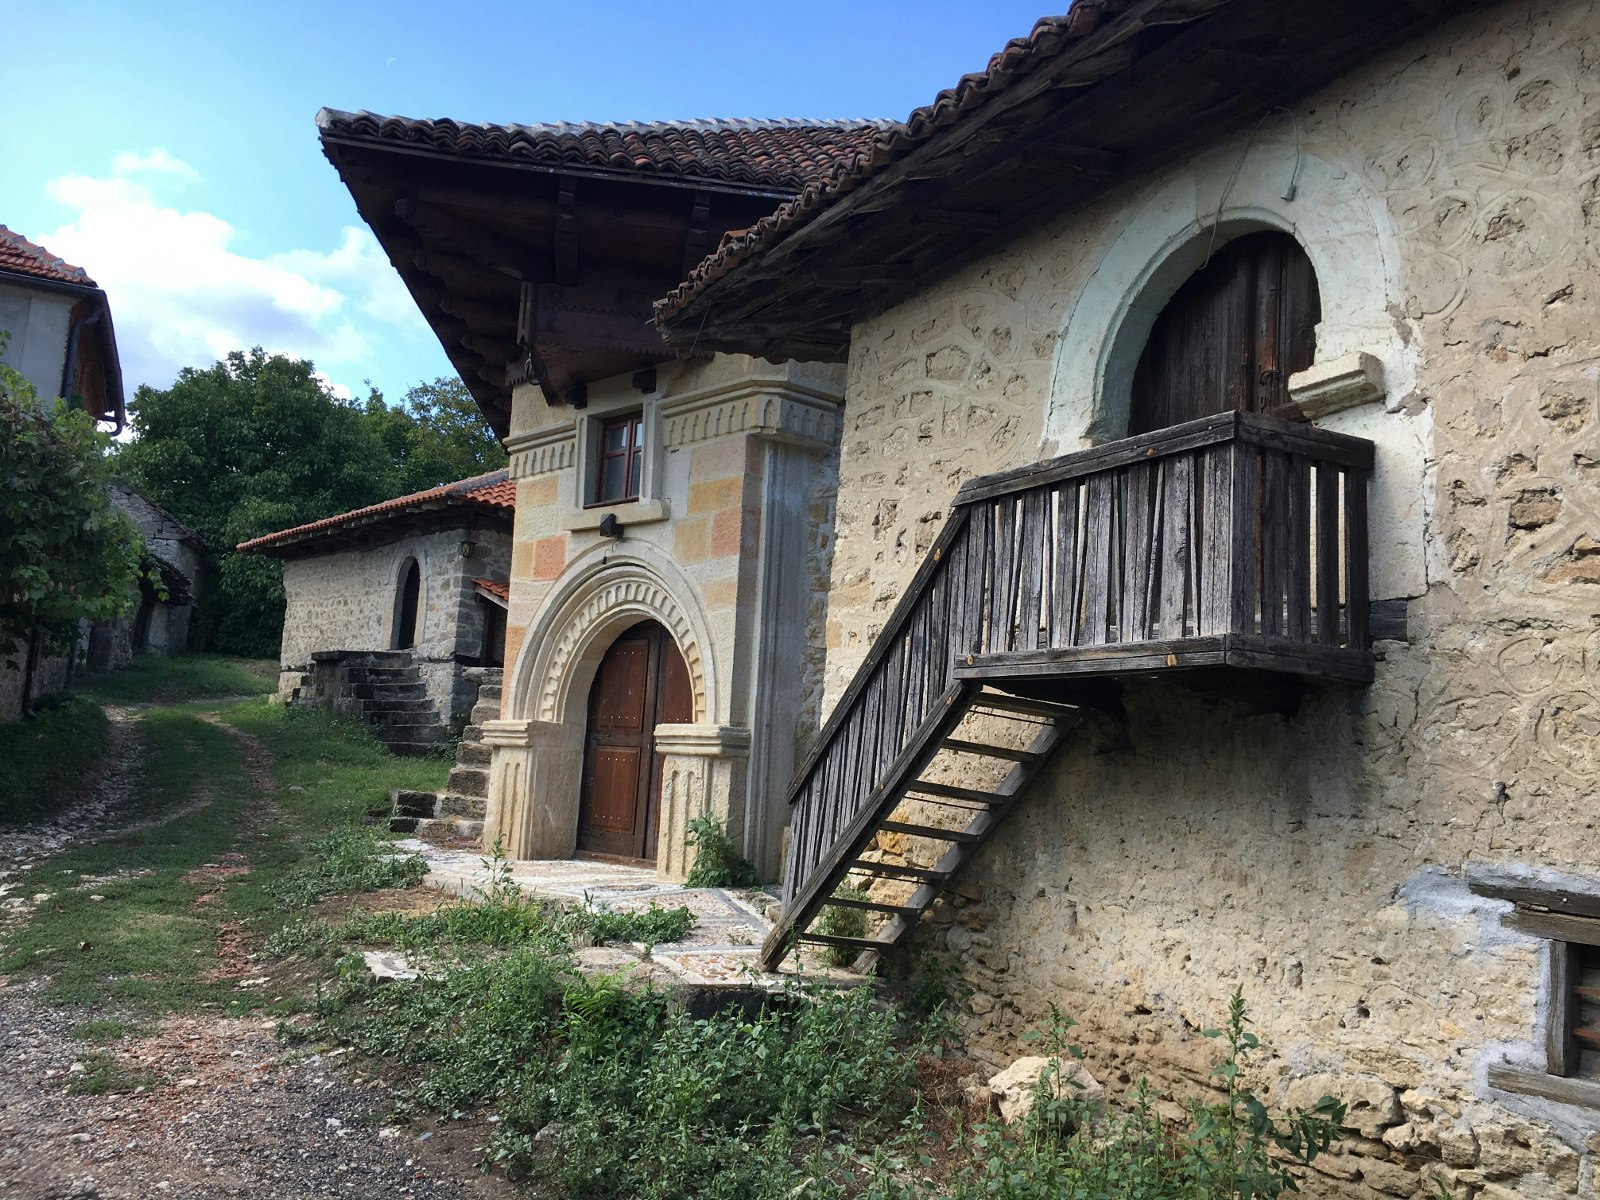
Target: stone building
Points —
{"points": [[55, 330], [673, 510], [1314, 688], [418, 580], [168, 595]]}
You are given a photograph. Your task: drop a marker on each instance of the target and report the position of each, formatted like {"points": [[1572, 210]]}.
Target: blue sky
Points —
{"points": [[170, 149]]}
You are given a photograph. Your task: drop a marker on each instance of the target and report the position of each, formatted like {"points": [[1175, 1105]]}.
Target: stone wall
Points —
{"points": [[1449, 198], [348, 600]]}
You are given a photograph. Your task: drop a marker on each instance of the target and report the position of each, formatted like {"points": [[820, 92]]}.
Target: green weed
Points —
{"points": [[104, 1075], [654, 926], [153, 679], [839, 920], [717, 862], [51, 759]]}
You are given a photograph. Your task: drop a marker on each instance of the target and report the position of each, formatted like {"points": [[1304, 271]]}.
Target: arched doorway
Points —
{"points": [[641, 682], [406, 605], [1231, 336]]}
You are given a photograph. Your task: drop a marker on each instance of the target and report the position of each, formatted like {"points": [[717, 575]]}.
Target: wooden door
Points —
{"points": [[405, 625], [1231, 336], [642, 682]]}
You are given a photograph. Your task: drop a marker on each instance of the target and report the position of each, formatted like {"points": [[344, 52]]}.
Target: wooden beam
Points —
{"points": [[566, 233], [493, 250], [698, 241]]}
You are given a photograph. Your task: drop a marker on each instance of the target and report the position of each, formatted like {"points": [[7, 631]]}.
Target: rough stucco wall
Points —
{"points": [[347, 601], [1317, 859]]}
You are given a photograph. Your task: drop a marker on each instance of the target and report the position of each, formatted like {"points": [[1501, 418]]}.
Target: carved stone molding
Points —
{"points": [[542, 453], [785, 414], [1344, 382]]}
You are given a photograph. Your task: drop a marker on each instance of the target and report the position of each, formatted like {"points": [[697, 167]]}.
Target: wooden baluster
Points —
{"points": [[1034, 551], [1298, 556], [1273, 509], [1355, 542], [1099, 557], [1245, 557], [1138, 526], [1327, 554], [980, 571], [1177, 494], [1216, 542], [1002, 611], [1065, 568]]}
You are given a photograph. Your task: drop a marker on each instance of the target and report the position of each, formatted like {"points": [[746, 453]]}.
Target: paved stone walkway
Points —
{"points": [[721, 950]]}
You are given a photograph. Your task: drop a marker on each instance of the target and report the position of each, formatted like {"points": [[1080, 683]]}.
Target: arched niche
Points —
{"points": [[1170, 230], [406, 626]]}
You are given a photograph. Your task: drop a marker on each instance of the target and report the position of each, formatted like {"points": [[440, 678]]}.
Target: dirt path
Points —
{"points": [[222, 1107]]}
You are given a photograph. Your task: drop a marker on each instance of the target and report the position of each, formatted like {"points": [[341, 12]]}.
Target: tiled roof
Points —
{"points": [[495, 490], [1049, 37], [780, 154], [21, 257], [500, 589]]}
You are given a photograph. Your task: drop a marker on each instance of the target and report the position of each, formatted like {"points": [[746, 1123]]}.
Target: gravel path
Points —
{"points": [[224, 1110]]}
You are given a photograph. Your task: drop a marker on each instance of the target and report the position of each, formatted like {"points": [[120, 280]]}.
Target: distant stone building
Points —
{"points": [[422, 574], [55, 329], [169, 594]]}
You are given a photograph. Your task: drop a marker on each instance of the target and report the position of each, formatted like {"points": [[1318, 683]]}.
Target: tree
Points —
{"points": [[66, 555], [435, 435], [248, 446]]}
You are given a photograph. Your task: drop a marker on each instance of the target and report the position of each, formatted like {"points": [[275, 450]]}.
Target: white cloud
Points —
{"points": [[156, 162], [182, 296]]}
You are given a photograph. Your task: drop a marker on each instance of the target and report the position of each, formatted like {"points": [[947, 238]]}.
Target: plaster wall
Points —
{"points": [[726, 547], [347, 600], [1449, 197], [38, 323]]}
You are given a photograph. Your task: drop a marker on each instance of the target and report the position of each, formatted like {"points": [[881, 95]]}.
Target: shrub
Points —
{"points": [[717, 862]]}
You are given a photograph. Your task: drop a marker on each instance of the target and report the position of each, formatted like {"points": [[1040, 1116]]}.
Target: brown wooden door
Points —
{"points": [[642, 682], [1231, 336]]}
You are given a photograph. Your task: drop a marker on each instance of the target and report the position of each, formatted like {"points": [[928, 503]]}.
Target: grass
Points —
{"points": [[161, 919], [51, 759], [153, 679], [104, 1075]]}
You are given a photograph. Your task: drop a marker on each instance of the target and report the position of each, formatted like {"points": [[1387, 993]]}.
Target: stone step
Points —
{"points": [[395, 731], [410, 749], [485, 712], [468, 781], [473, 754], [399, 691], [472, 733], [386, 674], [453, 804], [378, 705], [489, 691], [450, 827], [408, 802]]}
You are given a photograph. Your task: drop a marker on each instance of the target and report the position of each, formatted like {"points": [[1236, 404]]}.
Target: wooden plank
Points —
{"points": [[1002, 613], [1273, 517], [927, 831], [834, 939], [1172, 587], [1297, 550], [1582, 1092], [898, 871], [1561, 1038], [1023, 705], [1564, 927], [1098, 564], [1065, 572], [1356, 594], [1244, 558], [959, 746], [978, 574], [869, 905], [1582, 904], [952, 791], [1138, 552], [1327, 552], [1216, 543], [1034, 551]]}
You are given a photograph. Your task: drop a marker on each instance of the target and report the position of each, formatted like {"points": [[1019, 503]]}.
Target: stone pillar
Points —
{"points": [[704, 769], [535, 774]]}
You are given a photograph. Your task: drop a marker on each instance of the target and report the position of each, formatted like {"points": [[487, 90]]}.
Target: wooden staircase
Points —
{"points": [[1227, 551]]}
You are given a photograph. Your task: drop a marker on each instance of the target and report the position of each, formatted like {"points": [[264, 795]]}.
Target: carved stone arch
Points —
{"points": [[1175, 224], [600, 595]]}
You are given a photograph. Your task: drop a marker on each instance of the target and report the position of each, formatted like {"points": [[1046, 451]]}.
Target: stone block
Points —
{"points": [[1015, 1087], [691, 540], [549, 556], [1371, 1105], [709, 496]]}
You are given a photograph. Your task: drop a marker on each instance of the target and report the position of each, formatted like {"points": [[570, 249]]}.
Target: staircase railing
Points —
{"points": [[1234, 540]]}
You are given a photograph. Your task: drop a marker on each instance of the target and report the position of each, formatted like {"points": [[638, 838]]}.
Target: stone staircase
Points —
{"points": [[457, 811], [381, 687]]}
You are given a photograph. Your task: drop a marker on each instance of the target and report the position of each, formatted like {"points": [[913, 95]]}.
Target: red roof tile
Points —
{"points": [[21, 257], [780, 154], [495, 490], [498, 588], [1049, 37]]}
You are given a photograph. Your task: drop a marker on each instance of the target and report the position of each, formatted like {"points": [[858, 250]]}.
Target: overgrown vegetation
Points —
{"points": [[843, 921], [51, 759], [717, 861], [152, 679]]}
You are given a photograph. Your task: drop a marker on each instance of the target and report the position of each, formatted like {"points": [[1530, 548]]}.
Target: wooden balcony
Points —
{"points": [[1231, 548], [1235, 541]]}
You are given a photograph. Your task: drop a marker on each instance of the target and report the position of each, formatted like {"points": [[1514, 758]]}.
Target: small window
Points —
{"points": [[621, 459], [1574, 1035]]}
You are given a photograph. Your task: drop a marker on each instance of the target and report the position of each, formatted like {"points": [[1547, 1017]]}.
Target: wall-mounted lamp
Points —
{"points": [[610, 527], [468, 547]]}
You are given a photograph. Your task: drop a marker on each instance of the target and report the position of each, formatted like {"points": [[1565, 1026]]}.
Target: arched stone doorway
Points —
{"points": [[407, 605], [641, 682]]}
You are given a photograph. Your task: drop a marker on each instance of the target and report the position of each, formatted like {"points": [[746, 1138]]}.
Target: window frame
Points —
{"points": [[633, 457]]}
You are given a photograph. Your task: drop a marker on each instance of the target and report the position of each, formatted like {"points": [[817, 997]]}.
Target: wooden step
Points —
{"points": [[928, 831], [848, 943], [897, 871], [1024, 705], [960, 746], [951, 791], [870, 905]]}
